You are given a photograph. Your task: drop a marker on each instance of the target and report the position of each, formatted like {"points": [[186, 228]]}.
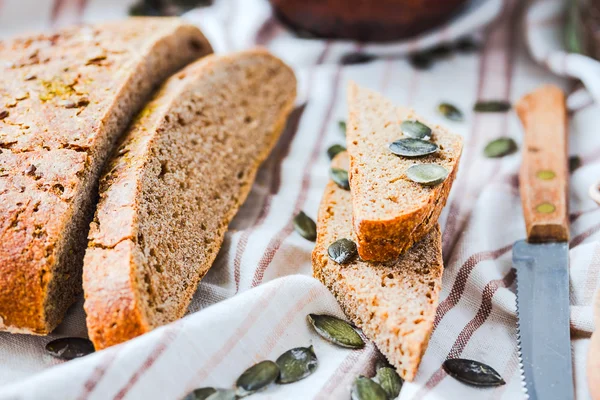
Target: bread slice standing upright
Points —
{"points": [[64, 100], [391, 212], [394, 302], [181, 173]]}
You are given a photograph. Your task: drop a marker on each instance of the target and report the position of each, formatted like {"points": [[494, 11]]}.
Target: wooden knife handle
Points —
{"points": [[544, 173], [593, 361]]}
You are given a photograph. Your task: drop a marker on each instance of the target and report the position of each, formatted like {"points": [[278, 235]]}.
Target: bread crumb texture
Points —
{"points": [[64, 99], [391, 212], [394, 302], [175, 182]]}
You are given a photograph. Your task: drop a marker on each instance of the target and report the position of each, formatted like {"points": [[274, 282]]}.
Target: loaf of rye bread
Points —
{"points": [[391, 212], [175, 182], [394, 303], [64, 100]]}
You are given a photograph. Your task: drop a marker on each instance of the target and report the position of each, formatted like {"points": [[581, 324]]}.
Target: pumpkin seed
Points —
{"points": [[257, 377], [342, 251], [492, 106], [336, 330], [223, 394], [200, 394], [441, 50], [366, 389], [500, 147], [389, 380], [305, 226], [3, 114], [335, 150], [296, 364], [340, 177], [450, 111], [574, 163], [412, 147], [466, 45], [421, 60], [472, 372], [415, 130], [342, 125], [69, 348], [427, 174], [357, 58]]}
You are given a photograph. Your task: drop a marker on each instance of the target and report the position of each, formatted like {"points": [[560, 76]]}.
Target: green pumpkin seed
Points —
{"points": [[472, 372], [413, 147], [335, 150], [297, 364], [340, 177], [450, 111], [466, 45], [342, 125], [336, 330], [415, 130], [441, 50], [366, 389], [69, 348], [200, 394], [574, 163], [422, 60], [427, 174], [257, 377], [305, 226], [500, 147], [389, 380], [223, 394], [342, 251], [492, 106]]}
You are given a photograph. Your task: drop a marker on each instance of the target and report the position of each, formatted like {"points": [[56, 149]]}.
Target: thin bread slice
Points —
{"points": [[394, 302], [64, 100], [179, 176], [391, 212]]}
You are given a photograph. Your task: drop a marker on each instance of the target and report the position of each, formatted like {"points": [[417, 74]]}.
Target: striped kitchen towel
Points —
{"points": [[253, 303]]}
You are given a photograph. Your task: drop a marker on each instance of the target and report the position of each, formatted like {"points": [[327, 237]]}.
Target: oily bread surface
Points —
{"points": [[64, 99], [394, 303], [390, 212], [175, 182]]}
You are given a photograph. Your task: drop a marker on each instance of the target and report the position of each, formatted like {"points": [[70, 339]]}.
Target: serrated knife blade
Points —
{"points": [[542, 261], [543, 319]]}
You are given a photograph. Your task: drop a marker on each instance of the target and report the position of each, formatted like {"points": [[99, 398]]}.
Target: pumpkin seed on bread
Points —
{"points": [[392, 210], [177, 179], [394, 303], [65, 98]]}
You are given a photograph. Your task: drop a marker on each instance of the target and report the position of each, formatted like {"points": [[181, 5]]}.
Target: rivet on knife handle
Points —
{"points": [[544, 173]]}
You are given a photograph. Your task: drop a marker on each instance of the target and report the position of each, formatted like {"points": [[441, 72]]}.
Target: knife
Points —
{"points": [[542, 261]]}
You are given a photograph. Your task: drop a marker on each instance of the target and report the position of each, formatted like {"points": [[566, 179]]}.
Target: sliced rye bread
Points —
{"points": [[179, 176], [394, 303], [64, 100], [391, 212]]}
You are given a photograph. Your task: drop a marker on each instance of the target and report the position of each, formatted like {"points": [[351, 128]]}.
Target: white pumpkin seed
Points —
{"points": [[366, 389], [427, 174], [413, 147], [340, 177], [336, 331], [256, 378], [472, 372], [342, 251], [415, 129], [389, 380], [305, 226], [296, 364]]}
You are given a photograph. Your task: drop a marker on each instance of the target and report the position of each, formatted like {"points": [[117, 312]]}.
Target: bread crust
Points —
{"points": [[391, 213], [67, 97], [394, 303], [245, 95]]}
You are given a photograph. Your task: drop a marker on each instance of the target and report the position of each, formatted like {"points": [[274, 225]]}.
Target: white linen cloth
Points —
{"points": [[267, 266]]}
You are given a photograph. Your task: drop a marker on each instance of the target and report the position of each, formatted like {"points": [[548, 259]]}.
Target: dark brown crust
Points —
{"points": [[69, 95], [118, 215]]}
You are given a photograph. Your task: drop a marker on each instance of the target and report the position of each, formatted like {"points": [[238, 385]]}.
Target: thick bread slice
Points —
{"points": [[390, 212], [64, 100], [395, 302], [180, 175]]}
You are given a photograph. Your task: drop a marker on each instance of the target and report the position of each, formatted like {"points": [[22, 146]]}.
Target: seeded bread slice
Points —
{"points": [[394, 302], [176, 181], [64, 100], [391, 212]]}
